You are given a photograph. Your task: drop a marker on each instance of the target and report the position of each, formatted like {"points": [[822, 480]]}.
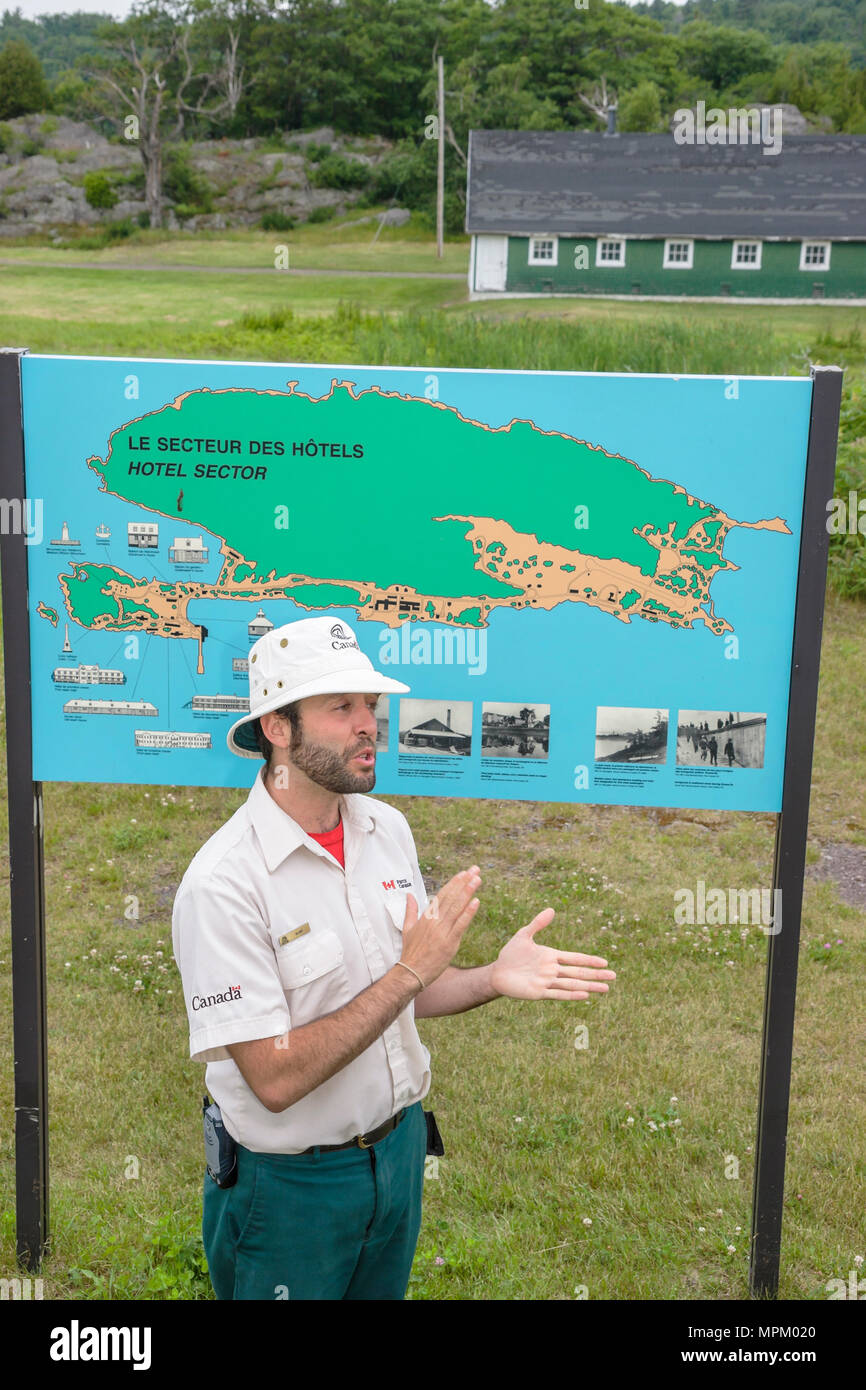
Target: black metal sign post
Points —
{"points": [[27, 884], [791, 828]]}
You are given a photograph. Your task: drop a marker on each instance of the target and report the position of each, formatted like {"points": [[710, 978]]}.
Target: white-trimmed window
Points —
{"points": [[815, 255], [679, 254], [746, 255], [610, 251], [543, 250]]}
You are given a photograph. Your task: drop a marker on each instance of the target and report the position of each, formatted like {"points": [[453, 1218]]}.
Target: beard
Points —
{"points": [[330, 769]]}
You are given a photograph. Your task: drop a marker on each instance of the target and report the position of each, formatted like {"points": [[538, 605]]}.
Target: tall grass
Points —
{"points": [[847, 564], [677, 345]]}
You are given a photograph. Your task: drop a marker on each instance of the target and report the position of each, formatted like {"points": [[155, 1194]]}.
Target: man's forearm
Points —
{"points": [[456, 990], [306, 1056]]}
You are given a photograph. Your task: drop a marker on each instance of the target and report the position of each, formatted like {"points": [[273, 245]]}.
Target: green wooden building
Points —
{"points": [[575, 212]]}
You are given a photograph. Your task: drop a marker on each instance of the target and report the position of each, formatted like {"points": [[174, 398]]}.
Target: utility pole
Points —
{"points": [[440, 170]]}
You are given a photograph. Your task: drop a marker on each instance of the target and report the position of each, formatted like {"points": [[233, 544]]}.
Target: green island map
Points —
{"points": [[397, 507]]}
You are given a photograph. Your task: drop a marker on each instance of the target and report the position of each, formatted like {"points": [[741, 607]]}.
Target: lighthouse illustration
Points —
{"points": [[65, 538]]}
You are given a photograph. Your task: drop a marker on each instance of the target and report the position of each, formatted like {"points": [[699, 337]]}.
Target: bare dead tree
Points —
{"points": [[228, 79], [449, 134], [146, 82], [143, 98], [598, 100], [233, 73]]}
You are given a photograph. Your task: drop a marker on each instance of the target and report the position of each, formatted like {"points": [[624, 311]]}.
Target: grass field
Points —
{"points": [[623, 1167], [342, 244]]}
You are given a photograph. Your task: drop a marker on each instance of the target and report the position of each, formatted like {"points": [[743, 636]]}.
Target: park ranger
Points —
{"points": [[307, 949]]}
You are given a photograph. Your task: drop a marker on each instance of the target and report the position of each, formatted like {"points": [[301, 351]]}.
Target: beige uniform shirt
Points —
{"points": [[271, 933]]}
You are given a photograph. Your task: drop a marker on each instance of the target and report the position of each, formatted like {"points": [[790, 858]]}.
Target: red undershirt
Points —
{"points": [[332, 841]]}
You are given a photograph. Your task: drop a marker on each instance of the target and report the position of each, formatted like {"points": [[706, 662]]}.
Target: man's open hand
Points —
{"points": [[525, 970], [431, 941]]}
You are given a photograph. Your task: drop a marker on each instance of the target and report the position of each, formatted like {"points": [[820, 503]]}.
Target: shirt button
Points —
{"points": [[308, 969]]}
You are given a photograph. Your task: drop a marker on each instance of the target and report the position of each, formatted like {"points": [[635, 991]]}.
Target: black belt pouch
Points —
{"points": [[434, 1138]]}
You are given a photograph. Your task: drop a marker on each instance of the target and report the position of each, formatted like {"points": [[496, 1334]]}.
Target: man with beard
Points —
{"points": [[307, 948]]}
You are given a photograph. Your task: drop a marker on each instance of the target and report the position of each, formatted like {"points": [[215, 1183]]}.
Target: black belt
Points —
{"points": [[363, 1141]]}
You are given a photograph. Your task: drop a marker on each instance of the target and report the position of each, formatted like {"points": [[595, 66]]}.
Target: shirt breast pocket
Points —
{"points": [[395, 906], [308, 958]]}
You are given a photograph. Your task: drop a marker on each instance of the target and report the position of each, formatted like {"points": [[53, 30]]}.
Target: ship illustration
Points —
{"points": [[102, 531]]}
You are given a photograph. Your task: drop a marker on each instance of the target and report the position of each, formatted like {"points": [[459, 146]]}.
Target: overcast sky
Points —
{"points": [[610, 720], [31, 9]]}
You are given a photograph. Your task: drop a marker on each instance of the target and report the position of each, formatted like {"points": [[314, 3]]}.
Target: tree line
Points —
{"points": [[784, 21], [181, 69]]}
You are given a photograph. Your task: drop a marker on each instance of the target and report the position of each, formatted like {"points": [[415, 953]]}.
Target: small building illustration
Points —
{"points": [[240, 663], [143, 708], [260, 625], [83, 674], [143, 535], [67, 645], [170, 738], [234, 704], [188, 550]]}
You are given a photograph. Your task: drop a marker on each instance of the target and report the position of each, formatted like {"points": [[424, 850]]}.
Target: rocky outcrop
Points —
{"points": [[44, 160]]}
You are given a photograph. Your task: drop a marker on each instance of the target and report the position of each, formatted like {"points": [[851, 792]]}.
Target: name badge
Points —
{"points": [[295, 933]]}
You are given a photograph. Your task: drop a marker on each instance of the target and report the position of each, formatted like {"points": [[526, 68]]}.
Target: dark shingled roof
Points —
{"points": [[580, 183]]}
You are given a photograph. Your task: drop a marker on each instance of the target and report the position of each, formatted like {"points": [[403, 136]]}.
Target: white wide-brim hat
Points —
{"points": [[313, 656]]}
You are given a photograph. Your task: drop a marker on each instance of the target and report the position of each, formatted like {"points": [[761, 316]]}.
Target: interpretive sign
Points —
{"points": [[588, 581]]}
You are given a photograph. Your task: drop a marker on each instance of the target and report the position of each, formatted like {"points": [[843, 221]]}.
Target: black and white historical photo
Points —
{"points": [[514, 730], [720, 738], [626, 735], [436, 726]]}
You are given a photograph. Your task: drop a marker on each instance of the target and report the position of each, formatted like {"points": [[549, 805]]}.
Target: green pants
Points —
{"points": [[319, 1225]]}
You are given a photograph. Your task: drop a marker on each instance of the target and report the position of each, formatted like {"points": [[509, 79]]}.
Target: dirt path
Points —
{"points": [[844, 865]]}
